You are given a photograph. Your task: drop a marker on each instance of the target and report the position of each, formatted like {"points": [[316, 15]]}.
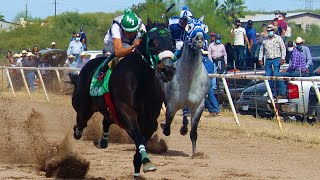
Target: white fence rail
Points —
{"points": [[222, 76], [38, 72]]}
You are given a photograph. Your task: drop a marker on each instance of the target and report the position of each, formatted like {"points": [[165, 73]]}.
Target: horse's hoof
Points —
{"points": [[165, 130], [76, 134], [100, 144], [147, 167], [183, 130]]}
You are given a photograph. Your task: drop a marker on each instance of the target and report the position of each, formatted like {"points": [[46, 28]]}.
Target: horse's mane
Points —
{"points": [[154, 24]]}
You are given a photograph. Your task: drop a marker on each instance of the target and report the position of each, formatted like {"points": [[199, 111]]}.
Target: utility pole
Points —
{"points": [[26, 12], [55, 8], [308, 4]]}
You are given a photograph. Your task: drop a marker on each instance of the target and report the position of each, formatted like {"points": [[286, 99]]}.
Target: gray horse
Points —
{"points": [[190, 84]]}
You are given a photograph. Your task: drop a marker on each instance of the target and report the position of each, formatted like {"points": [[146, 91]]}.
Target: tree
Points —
{"points": [[1, 17], [232, 9], [22, 14]]}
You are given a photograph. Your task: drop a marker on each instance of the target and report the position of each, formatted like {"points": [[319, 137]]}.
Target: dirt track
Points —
{"points": [[226, 152]]}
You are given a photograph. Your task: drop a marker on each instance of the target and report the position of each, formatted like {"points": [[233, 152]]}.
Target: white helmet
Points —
{"points": [[185, 12]]}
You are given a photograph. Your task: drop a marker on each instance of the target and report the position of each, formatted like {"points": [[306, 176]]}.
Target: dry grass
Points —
{"points": [[258, 127], [250, 126]]}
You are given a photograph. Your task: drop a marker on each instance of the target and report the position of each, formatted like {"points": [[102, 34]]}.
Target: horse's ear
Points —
{"points": [[201, 19], [149, 24]]}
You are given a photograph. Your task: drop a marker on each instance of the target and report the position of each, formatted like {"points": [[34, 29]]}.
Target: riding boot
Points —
{"points": [[104, 67]]}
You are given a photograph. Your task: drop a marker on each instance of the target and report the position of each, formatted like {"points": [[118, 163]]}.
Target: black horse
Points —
{"points": [[135, 91]]}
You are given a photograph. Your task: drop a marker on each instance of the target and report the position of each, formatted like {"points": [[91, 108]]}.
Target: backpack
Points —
{"points": [[288, 33]]}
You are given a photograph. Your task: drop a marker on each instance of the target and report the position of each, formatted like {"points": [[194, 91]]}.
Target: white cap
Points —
{"points": [[53, 43], [24, 52]]}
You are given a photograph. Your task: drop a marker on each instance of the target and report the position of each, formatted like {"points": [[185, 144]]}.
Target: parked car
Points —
{"points": [[302, 102], [236, 87], [93, 54]]}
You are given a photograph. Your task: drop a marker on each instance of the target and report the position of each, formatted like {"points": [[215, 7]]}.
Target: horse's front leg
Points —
{"points": [[196, 114], [103, 142], [128, 117], [137, 161], [170, 112], [185, 121]]}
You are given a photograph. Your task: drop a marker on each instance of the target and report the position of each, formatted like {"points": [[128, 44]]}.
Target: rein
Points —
{"points": [[153, 60]]}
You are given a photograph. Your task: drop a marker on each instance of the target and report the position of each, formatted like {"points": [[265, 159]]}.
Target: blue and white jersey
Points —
{"points": [[178, 33]]}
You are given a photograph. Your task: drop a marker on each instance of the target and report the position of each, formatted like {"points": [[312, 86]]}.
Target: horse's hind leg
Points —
{"points": [[103, 142], [194, 125], [82, 119]]}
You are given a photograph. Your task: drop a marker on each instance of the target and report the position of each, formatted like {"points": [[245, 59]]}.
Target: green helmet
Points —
{"points": [[130, 21]]}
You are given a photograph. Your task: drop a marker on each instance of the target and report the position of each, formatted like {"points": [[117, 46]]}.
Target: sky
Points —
{"points": [[44, 8]]}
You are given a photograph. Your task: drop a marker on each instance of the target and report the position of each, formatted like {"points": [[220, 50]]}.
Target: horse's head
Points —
{"points": [[157, 47], [196, 30]]}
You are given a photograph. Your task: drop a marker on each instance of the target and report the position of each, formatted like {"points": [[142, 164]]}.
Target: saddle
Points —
{"points": [[99, 87]]}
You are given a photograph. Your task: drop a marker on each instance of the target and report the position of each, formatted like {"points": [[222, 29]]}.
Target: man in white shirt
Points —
{"points": [[75, 48], [240, 37]]}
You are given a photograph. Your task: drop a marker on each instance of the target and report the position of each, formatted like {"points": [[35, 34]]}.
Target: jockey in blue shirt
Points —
{"points": [[177, 26]]}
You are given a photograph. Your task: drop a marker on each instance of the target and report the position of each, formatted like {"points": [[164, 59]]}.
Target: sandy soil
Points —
{"points": [[32, 130]]}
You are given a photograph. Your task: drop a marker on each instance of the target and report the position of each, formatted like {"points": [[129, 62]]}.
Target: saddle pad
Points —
{"points": [[99, 88]]}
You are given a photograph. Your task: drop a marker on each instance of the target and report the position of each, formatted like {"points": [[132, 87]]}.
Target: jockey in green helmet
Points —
{"points": [[122, 38]]}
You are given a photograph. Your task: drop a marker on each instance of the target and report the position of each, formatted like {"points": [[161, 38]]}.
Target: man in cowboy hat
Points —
{"points": [[30, 74], [70, 62], [274, 51], [84, 59], [297, 66], [306, 54]]}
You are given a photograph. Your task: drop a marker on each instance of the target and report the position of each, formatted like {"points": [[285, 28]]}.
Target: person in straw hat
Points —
{"points": [[297, 66], [30, 74], [71, 62], [274, 51], [306, 54]]}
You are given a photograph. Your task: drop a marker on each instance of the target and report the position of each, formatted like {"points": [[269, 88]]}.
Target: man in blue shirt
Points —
{"points": [[211, 102], [251, 34], [83, 39]]}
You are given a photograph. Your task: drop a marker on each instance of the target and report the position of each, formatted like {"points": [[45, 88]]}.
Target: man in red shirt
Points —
{"points": [[282, 23]]}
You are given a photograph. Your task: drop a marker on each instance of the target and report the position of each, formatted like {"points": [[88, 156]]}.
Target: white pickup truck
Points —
{"points": [[301, 104]]}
